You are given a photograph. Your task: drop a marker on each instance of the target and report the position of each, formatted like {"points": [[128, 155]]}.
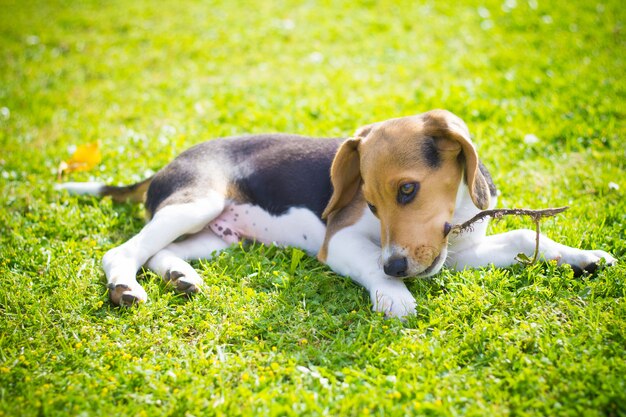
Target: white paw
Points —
{"points": [[124, 290], [393, 302], [127, 294], [184, 279], [588, 261]]}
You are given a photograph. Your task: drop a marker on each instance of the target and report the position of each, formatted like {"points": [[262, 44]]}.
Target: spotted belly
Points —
{"points": [[298, 227]]}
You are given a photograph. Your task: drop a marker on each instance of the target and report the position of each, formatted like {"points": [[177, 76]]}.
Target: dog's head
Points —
{"points": [[409, 170]]}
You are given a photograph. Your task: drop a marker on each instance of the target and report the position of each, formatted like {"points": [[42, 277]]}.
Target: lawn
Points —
{"points": [[542, 88]]}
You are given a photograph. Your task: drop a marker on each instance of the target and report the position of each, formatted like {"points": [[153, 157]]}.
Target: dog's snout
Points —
{"points": [[396, 267], [447, 227]]}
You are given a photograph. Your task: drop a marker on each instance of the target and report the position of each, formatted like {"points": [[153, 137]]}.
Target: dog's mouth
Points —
{"points": [[433, 268]]}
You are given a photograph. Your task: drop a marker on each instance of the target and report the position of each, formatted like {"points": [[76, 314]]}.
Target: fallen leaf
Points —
{"points": [[85, 157]]}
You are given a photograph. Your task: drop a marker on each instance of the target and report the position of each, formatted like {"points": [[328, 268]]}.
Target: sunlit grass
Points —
{"points": [[273, 334]]}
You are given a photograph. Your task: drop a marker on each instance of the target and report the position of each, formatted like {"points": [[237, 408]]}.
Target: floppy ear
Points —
{"points": [[345, 175], [453, 127]]}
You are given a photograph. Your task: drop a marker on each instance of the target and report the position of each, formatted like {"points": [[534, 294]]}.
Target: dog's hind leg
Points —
{"points": [[171, 264], [169, 223]]}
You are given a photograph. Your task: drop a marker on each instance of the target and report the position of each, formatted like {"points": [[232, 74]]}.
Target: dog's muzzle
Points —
{"points": [[399, 267]]}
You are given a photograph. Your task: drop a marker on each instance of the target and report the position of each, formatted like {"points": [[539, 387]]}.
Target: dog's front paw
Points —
{"points": [[393, 302], [587, 261]]}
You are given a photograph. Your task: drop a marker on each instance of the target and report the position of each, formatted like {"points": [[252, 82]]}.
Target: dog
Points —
{"points": [[377, 207]]}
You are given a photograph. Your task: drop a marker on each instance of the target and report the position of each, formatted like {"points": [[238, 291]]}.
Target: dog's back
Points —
{"points": [[275, 172]]}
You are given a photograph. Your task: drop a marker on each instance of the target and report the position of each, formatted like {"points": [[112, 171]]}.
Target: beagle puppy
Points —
{"points": [[377, 207]]}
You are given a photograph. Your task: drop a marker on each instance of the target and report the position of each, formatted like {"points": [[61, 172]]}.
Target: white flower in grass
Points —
{"points": [[288, 24], [613, 186], [316, 58], [484, 12], [530, 139], [32, 40]]}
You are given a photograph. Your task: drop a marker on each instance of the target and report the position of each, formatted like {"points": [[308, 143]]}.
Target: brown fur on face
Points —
{"points": [[432, 149]]}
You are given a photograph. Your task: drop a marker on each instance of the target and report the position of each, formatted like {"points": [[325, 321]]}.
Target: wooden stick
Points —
{"points": [[536, 215]]}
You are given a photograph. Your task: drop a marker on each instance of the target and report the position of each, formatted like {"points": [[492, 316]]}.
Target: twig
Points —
{"points": [[536, 215], [536, 254]]}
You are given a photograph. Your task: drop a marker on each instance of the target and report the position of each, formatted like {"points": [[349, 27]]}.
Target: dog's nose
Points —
{"points": [[396, 267]]}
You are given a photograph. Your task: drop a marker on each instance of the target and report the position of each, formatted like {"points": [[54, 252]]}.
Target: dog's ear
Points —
{"points": [[345, 175], [451, 126], [363, 131]]}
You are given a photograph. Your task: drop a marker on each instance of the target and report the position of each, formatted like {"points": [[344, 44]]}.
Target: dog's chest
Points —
{"points": [[298, 227]]}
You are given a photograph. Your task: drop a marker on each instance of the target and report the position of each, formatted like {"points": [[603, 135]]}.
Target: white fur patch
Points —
{"points": [[81, 188], [298, 227]]}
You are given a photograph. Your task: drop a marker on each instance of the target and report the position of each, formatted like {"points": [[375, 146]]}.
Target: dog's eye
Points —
{"points": [[407, 192], [372, 208]]}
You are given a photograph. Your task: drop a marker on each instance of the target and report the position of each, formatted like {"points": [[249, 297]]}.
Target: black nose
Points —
{"points": [[396, 267]]}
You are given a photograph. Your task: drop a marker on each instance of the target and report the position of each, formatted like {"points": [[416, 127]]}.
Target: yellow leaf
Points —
{"points": [[85, 157]]}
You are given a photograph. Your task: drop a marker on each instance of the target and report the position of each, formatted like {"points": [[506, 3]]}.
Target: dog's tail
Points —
{"points": [[135, 193]]}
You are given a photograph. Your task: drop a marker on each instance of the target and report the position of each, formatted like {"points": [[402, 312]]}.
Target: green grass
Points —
{"points": [[272, 335]]}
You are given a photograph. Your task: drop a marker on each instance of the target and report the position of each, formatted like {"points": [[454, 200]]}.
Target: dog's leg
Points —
{"points": [[121, 263], [352, 254], [502, 249], [171, 264]]}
